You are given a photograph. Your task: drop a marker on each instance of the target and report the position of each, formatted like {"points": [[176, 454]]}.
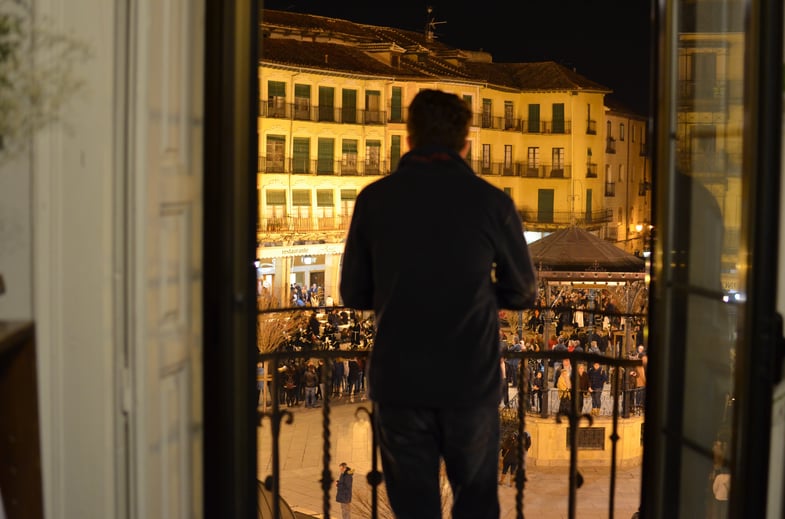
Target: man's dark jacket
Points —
{"points": [[420, 253]]}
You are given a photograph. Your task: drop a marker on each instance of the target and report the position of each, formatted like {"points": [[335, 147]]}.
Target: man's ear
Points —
{"points": [[465, 150]]}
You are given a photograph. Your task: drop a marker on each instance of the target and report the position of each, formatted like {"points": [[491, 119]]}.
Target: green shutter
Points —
{"points": [[349, 146], [276, 89], [324, 197], [349, 106], [276, 197], [395, 152], [301, 197], [558, 118], [325, 158], [302, 91], [326, 103], [301, 154], [545, 205], [348, 194], [534, 119], [396, 105]]}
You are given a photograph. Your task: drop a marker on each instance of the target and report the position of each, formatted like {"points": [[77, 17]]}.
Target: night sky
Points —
{"points": [[608, 41]]}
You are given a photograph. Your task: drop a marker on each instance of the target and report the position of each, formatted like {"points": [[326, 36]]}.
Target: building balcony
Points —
{"points": [[535, 218], [273, 109], [283, 224], [610, 145], [521, 169], [303, 166]]}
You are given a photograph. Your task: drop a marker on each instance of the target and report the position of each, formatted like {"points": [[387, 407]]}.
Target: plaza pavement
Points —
{"points": [[301, 461]]}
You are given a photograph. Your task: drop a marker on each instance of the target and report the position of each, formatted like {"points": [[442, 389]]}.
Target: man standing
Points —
{"points": [[434, 214], [343, 494]]}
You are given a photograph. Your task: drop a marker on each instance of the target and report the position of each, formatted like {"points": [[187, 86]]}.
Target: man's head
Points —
{"points": [[437, 118]]}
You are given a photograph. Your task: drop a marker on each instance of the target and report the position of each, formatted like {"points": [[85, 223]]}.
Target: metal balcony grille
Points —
{"points": [[581, 434]]}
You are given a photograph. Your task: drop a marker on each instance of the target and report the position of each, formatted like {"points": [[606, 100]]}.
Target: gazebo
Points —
{"points": [[577, 258]]}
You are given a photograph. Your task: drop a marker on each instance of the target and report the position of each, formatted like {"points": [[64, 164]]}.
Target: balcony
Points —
{"points": [[535, 218], [591, 170], [603, 449], [303, 166], [591, 127], [610, 145], [610, 189], [302, 111], [506, 123], [710, 166], [521, 169], [710, 94], [284, 224]]}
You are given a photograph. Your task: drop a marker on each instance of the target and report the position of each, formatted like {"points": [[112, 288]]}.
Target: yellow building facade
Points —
{"points": [[332, 119]]}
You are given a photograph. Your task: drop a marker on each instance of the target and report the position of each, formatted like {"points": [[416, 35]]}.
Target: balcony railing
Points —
{"points": [[591, 170], [712, 166], [621, 402], [718, 91], [301, 166], [561, 218], [610, 145], [303, 224], [304, 112], [610, 189], [521, 169], [591, 127]]}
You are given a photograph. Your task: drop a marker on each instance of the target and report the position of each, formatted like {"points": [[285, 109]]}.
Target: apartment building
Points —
{"points": [[628, 178], [332, 118]]}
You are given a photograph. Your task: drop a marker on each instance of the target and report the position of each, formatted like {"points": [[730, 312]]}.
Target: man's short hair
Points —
{"points": [[438, 118]]}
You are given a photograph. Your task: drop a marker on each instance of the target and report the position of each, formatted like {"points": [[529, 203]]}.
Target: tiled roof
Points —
{"points": [[290, 40], [325, 56]]}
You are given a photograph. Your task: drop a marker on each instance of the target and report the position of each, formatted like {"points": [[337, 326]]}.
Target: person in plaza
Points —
{"points": [[638, 374], [448, 414], [343, 494], [583, 385], [311, 382], [564, 385], [509, 458], [597, 380], [537, 383], [259, 382]]}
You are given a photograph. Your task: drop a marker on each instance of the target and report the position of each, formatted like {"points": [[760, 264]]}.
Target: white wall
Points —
{"points": [[74, 276]]}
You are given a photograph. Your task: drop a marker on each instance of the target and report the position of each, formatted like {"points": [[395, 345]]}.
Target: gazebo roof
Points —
{"points": [[576, 253]]}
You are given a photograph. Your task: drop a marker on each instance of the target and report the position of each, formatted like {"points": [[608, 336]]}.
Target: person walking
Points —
{"points": [[343, 494], [597, 380], [448, 414]]}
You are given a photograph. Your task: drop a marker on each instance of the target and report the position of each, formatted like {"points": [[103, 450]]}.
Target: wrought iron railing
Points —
{"points": [[291, 348]]}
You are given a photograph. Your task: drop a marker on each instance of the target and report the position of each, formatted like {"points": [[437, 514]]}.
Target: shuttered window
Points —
{"points": [[395, 152], [325, 158], [324, 197], [558, 118], [396, 105], [276, 197], [534, 119], [301, 147], [276, 89], [326, 103], [349, 106], [301, 197]]}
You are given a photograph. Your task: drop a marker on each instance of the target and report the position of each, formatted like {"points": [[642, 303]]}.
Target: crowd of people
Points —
{"points": [[593, 380], [303, 382]]}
